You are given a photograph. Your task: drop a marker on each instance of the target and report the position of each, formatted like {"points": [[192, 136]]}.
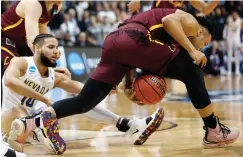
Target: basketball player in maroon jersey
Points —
{"points": [[134, 7], [200, 5], [21, 23], [164, 42]]}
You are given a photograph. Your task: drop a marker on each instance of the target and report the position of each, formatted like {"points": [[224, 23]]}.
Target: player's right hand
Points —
{"points": [[199, 58], [134, 6], [130, 93]]}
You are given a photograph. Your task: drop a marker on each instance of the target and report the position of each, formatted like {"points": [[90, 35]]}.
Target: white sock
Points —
{"points": [[130, 122], [102, 114]]}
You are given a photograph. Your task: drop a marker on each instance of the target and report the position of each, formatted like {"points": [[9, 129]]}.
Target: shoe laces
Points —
{"points": [[225, 130]]}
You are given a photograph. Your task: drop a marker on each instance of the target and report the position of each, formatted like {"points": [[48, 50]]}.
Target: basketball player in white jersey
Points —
{"points": [[28, 79], [232, 36]]}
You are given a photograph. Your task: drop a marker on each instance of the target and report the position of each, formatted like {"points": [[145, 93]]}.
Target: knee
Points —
{"points": [[197, 75], [194, 77], [18, 112]]}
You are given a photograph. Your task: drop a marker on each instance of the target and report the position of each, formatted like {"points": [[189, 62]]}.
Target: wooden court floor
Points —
{"points": [[180, 135]]}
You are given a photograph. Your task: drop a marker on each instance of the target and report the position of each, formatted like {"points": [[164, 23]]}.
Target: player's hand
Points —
{"points": [[199, 58], [130, 93], [63, 71], [134, 6]]}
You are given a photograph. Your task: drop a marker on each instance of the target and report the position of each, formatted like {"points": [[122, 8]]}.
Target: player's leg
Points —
{"points": [[183, 69], [10, 119], [143, 127], [100, 113], [236, 47], [230, 53], [92, 93], [9, 116]]}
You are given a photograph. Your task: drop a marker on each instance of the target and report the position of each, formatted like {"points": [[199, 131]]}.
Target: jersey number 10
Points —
{"points": [[26, 101]]}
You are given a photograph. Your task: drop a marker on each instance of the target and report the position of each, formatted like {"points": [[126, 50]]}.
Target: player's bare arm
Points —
{"points": [[16, 69], [64, 82], [203, 7], [180, 26], [32, 13]]}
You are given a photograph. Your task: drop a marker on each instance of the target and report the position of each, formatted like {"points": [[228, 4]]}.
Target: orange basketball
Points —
{"points": [[150, 89]]}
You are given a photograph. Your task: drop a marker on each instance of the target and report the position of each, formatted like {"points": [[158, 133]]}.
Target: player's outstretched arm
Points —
{"points": [[180, 26], [203, 7], [33, 11], [16, 69], [64, 82]]}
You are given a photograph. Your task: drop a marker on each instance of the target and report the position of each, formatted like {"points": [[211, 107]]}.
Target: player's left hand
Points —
{"points": [[63, 71], [199, 58]]}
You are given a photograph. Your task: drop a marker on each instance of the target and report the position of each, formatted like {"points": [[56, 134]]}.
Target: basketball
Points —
{"points": [[150, 89]]}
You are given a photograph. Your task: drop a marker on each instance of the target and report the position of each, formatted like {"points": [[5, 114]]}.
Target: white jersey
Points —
{"points": [[233, 30], [33, 79]]}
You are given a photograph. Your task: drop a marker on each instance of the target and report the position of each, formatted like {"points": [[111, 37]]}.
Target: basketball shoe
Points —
{"points": [[142, 127], [219, 136], [49, 135]]}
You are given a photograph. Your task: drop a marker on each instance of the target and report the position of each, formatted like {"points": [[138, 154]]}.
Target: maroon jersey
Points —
{"points": [[151, 19], [170, 4], [140, 42], [13, 26]]}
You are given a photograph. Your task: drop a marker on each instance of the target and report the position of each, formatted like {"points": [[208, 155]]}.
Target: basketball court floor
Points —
{"points": [[180, 135]]}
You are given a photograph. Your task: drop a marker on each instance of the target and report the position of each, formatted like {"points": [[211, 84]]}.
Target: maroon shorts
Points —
{"points": [[8, 51], [123, 52]]}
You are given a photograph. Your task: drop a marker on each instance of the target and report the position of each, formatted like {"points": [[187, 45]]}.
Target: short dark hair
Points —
{"points": [[206, 23], [39, 39]]}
